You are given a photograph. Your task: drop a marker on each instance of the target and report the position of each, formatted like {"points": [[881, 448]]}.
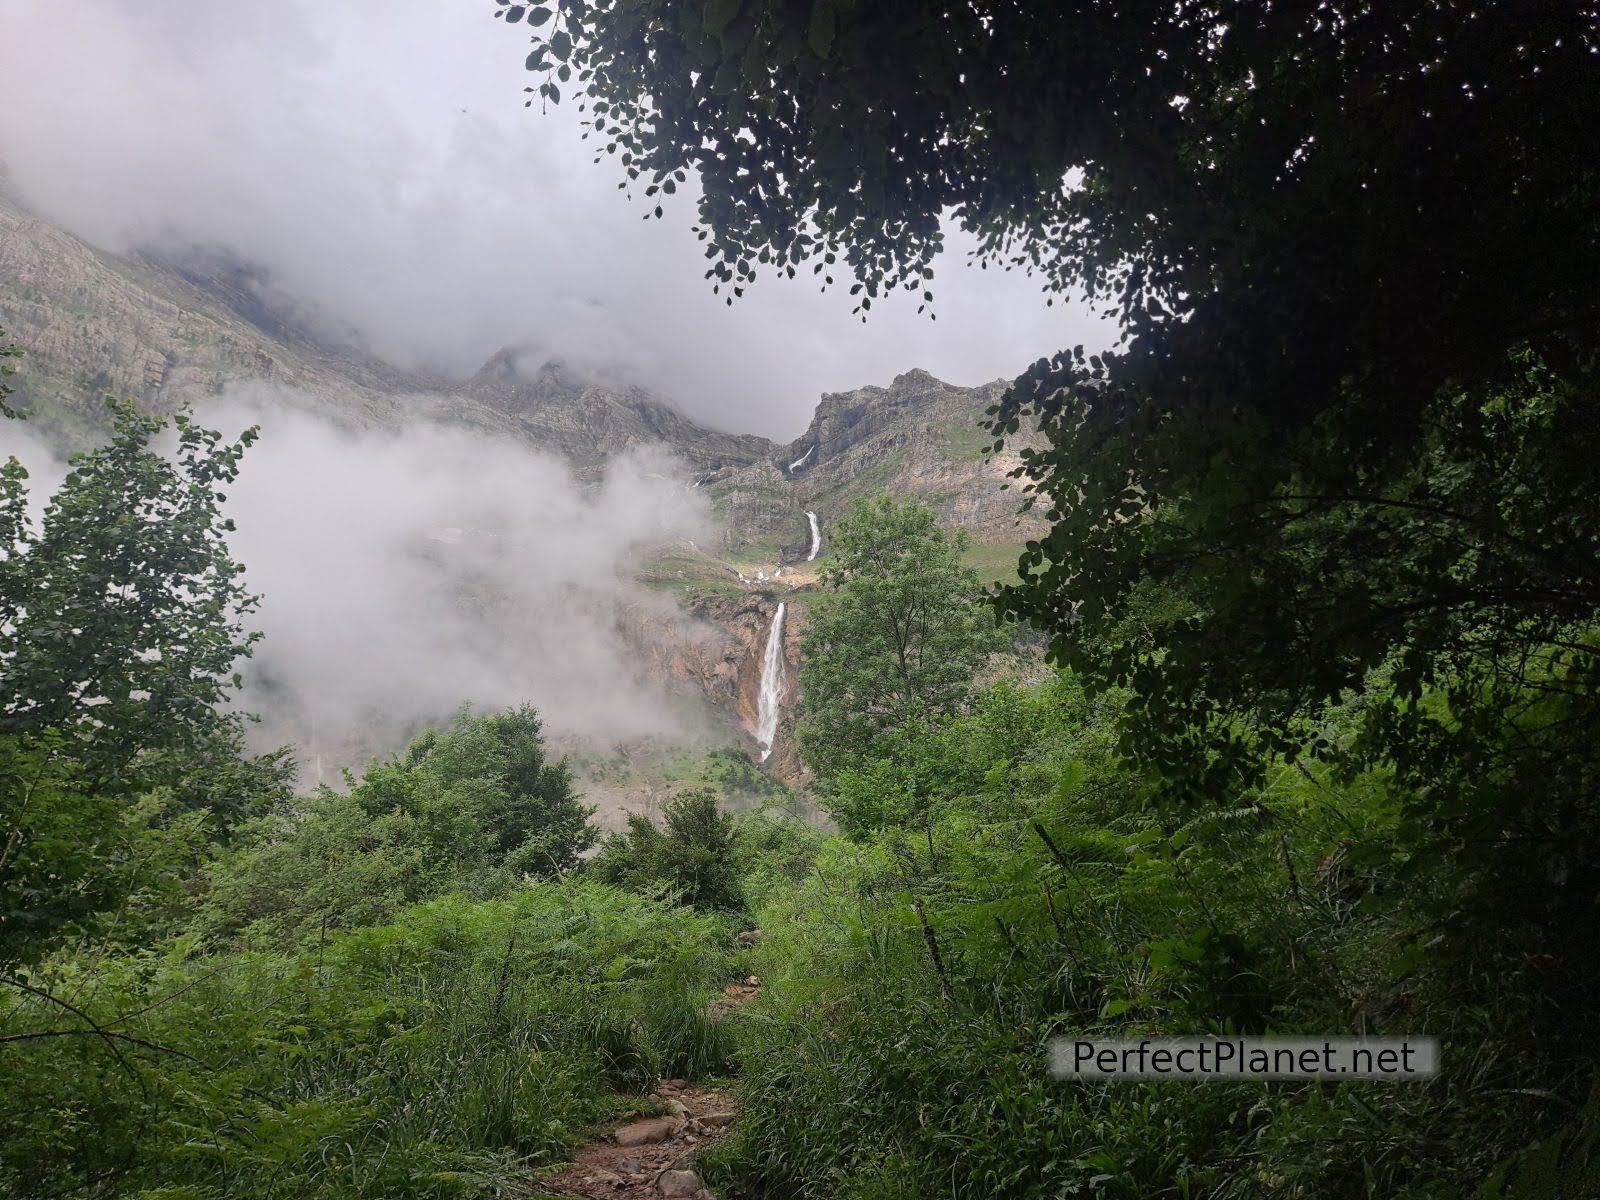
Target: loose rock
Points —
{"points": [[645, 1132], [678, 1183]]}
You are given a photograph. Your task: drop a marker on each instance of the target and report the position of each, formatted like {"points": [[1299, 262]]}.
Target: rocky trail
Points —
{"points": [[651, 1157]]}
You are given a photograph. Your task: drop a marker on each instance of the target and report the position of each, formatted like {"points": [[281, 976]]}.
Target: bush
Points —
{"points": [[473, 809], [691, 859]]}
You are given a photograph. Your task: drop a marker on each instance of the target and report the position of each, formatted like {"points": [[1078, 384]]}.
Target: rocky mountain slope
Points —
{"points": [[917, 436], [182, 333], [171, 334]]}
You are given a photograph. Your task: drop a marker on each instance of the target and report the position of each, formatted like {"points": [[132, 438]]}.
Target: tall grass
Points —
{"points": [[446, 1054]]}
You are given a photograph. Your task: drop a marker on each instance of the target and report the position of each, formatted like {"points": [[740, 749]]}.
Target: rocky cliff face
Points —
{"points": [[918, 436], [168, 336], [553, 406], [94, 324], [710, 651]]}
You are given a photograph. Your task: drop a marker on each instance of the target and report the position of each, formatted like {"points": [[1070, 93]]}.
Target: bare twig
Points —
{"points": [[933, 949]]}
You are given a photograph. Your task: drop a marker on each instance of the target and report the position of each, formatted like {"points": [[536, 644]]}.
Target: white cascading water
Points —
{"points": [[816, 536], [771, 685], [803, 459]]}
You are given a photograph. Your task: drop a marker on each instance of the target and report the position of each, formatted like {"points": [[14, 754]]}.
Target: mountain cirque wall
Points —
{"points": [[171, 333], [709, 652]]}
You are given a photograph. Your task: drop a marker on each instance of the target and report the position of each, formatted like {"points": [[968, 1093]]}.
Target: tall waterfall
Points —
{"points": [[771, 685], [816, 536]]}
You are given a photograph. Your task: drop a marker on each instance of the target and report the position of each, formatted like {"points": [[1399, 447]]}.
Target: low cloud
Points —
{"points": [[406, 572], [374, 158]]}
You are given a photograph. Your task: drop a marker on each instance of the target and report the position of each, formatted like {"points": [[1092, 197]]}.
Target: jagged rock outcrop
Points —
{"points": [[587, 422], [917, 436]]}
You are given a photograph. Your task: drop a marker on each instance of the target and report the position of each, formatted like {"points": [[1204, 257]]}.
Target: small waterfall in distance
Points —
{"points": [[816, 535], [771, 685]]}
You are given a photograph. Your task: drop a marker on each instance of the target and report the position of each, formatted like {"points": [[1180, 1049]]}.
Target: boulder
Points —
{"points": [[643, 1133], [679, 1184]]}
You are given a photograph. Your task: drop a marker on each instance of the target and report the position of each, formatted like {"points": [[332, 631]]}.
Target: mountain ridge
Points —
{"points": [[94, 322]]}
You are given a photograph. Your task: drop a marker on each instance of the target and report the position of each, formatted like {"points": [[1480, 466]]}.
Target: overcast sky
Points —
{"points": [[375, 157]]}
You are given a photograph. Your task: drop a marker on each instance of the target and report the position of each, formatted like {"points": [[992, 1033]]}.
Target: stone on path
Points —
{"points": [[645, 1132], [678, 1184]]}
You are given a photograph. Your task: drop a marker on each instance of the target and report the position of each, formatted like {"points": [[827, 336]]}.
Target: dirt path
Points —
{"points": [[650, 1158]]}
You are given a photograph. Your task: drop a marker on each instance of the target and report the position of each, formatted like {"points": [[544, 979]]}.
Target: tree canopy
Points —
{"points": [[121, 617], [1337, 237], [1365, 170], [892, 647], [691, 857]]}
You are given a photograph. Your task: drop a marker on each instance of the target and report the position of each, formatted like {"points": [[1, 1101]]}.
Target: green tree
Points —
{"points": [[56, 847], [693, 857], [119, 622], [524, 802], [121, 618], [894, 648], [475, 808], [1313, 222]]}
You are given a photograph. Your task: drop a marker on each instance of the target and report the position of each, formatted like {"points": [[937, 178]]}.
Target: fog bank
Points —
{"points": [[403, 573]]}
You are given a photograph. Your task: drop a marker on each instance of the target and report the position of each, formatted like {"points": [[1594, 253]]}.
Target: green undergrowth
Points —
{"points": [[688, 573], [447, 1053], [994, 562], [962, 440], [1061, 901]]}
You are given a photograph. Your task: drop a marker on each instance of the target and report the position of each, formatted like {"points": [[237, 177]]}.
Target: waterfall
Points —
{"points": [[771, 685], [803, 459], [816, 536]]}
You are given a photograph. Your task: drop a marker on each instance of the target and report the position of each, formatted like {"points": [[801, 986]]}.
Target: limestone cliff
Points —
{"points": [[918, 436], [181, 332], [710, 651], [553, 406]]}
